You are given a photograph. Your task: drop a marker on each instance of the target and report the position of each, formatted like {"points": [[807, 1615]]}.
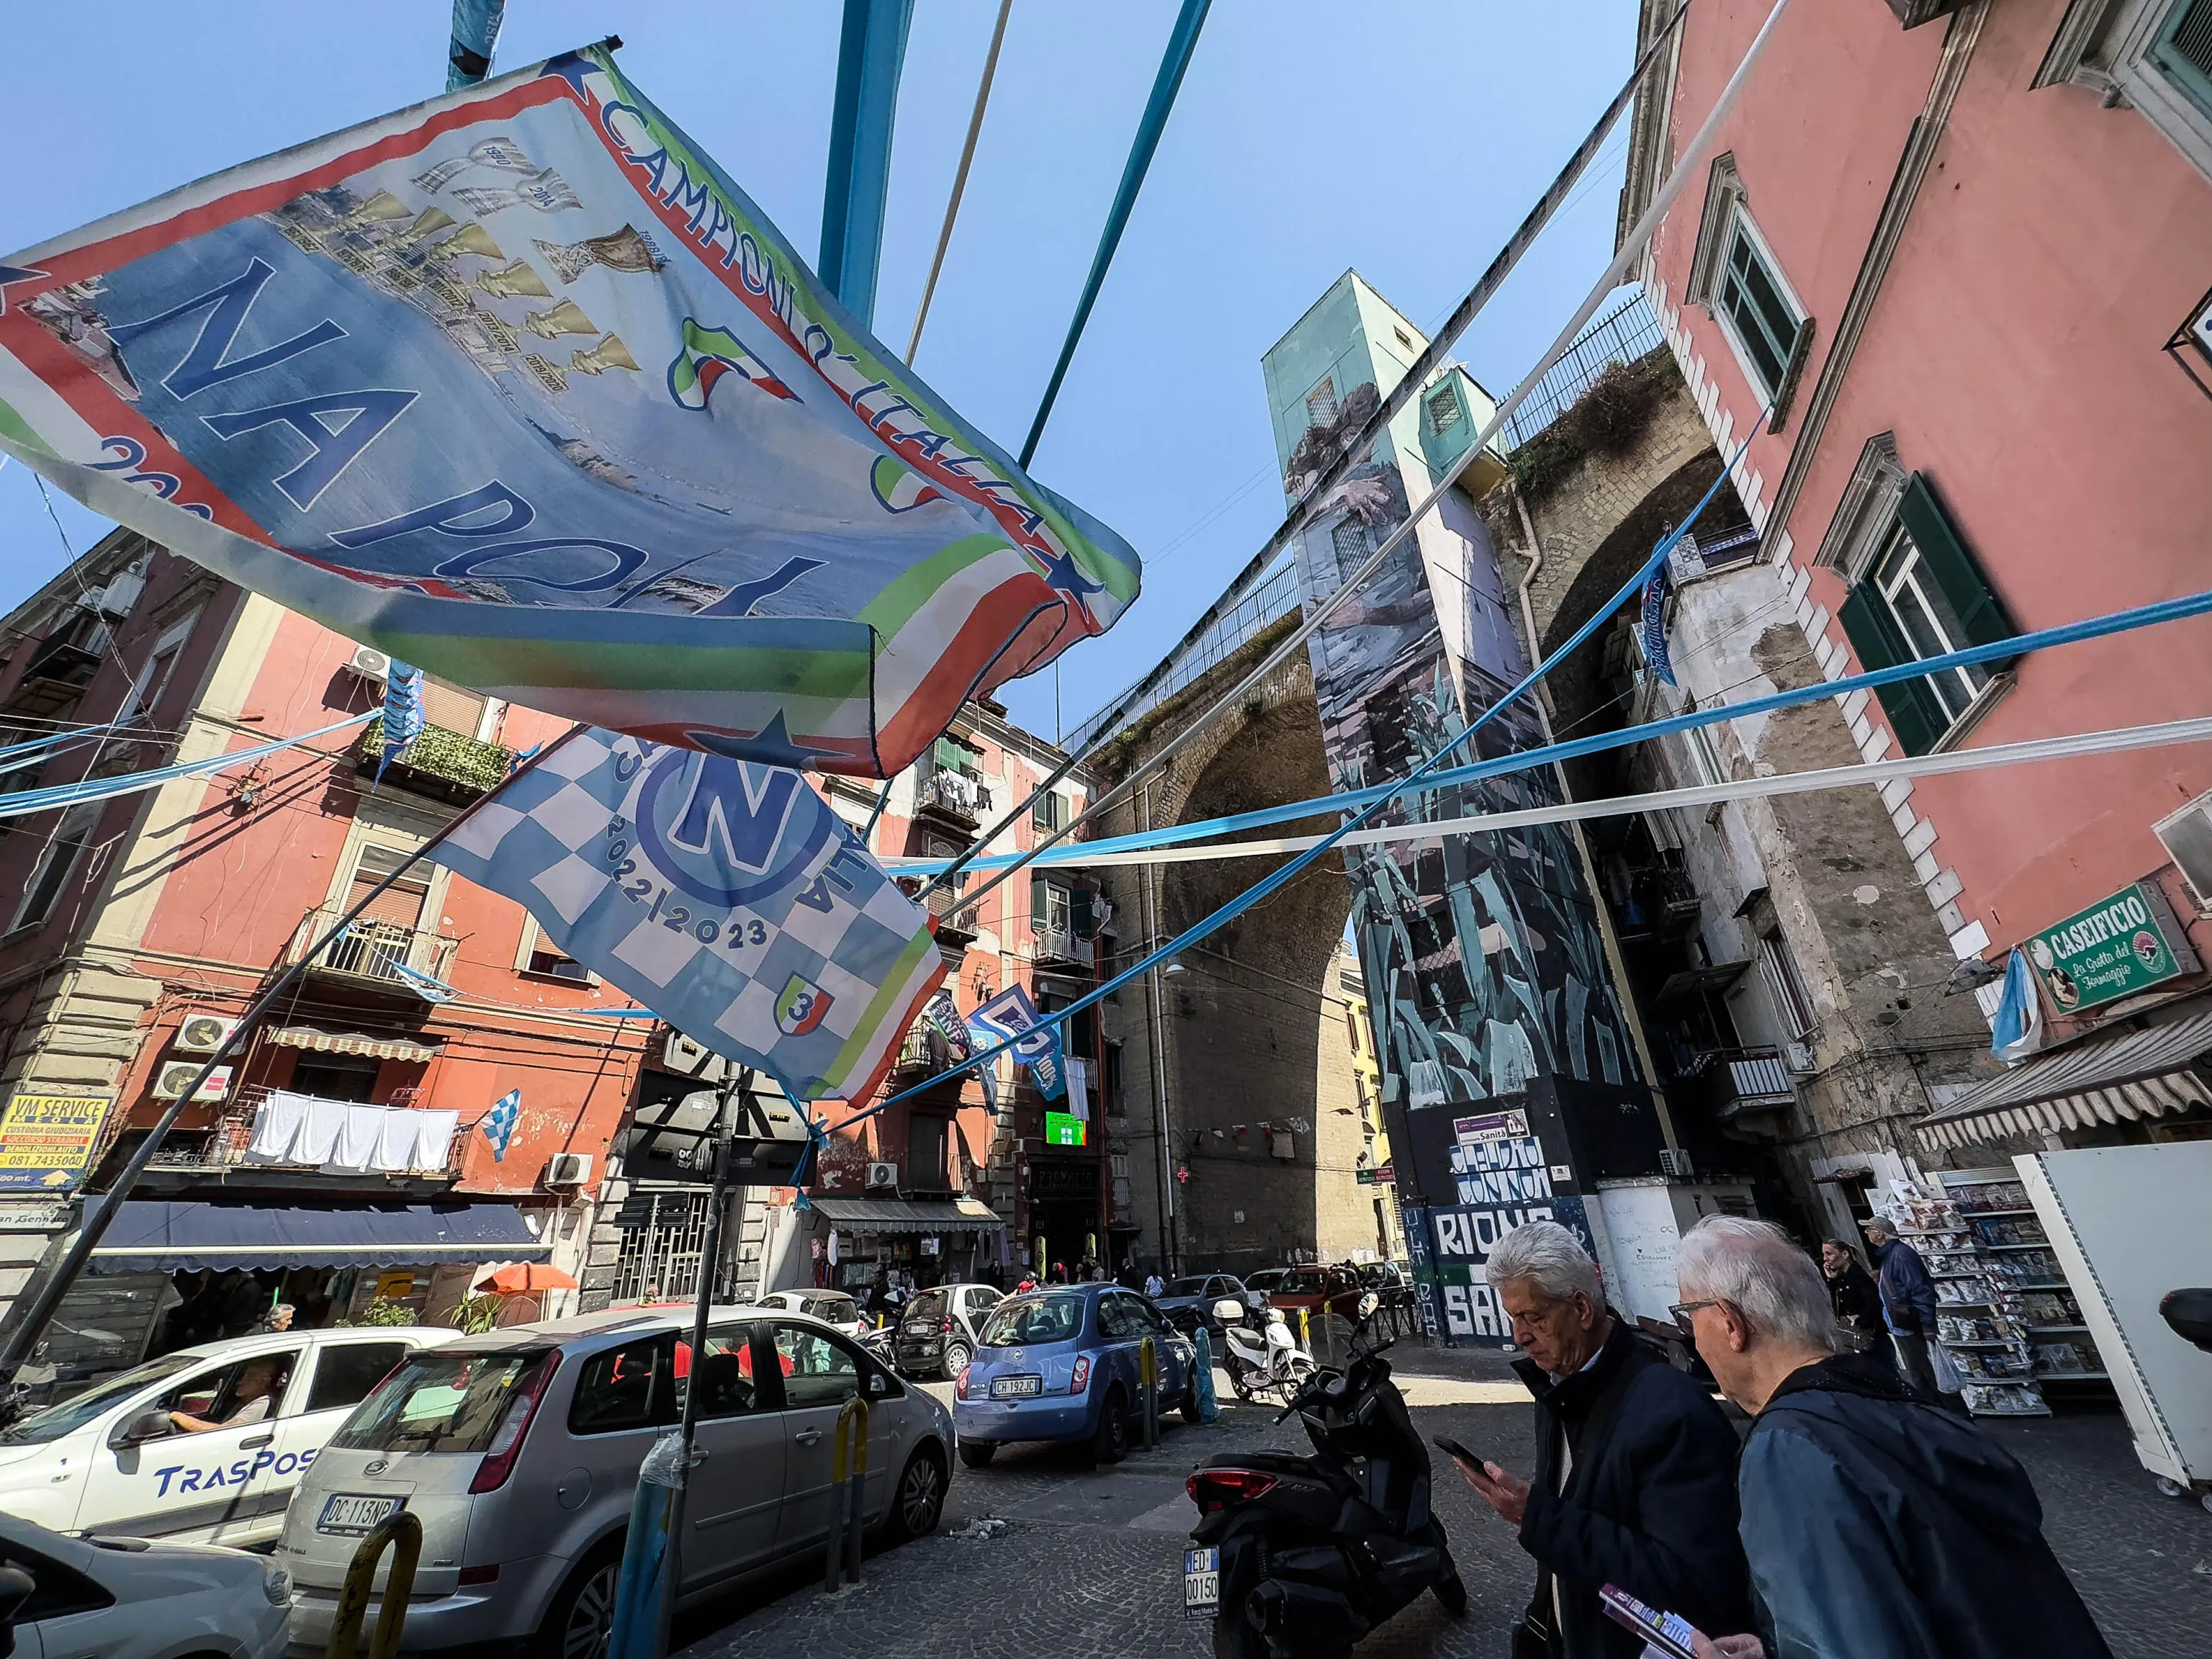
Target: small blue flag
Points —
{"points": [[1654, 625], [498, 1124], [403, 711], [1010, 1014]]}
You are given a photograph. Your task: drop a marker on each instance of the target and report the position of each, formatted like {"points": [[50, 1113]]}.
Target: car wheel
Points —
{"points": [[1109, 1442], [978, 1453], [956, 1359], [582, 1614], [920, 1497], [1192, 1412]]}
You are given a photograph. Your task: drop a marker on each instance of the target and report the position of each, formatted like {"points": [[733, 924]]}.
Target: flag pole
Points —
{"points": [[24, 1337]]}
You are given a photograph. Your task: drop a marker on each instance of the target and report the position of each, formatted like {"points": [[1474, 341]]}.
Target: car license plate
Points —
{"points": [[346, 1512], [1006, 1388], [1201, 1584]]}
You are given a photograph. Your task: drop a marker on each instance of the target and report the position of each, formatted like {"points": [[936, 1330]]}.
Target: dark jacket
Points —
{"points": [[1877, 1524], [1651, 1500], [1908, 1295], [1857, 1303]]}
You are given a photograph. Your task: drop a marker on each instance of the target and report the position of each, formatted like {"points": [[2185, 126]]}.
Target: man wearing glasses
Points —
{"points": [[1635, 1477]]}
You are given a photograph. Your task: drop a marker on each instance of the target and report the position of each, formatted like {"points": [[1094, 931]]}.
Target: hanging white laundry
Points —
{"points": [[395, 1142], [434, 1137], [276, 1123], [319, 1131], [358, 1136]]}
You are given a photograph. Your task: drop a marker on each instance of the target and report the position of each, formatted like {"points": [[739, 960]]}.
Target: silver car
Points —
{"points": [[519, 1451]]}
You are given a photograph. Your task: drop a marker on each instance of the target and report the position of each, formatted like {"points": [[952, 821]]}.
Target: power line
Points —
{"points": [[960, 177]]}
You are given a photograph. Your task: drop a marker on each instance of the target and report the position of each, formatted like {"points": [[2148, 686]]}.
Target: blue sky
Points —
{"points": [[1404, 138]]}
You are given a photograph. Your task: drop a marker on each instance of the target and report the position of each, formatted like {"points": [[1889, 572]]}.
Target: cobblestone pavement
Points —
{"points": [[1089, 1566]]}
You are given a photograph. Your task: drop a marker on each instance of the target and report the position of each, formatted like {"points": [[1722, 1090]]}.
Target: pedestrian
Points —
{"points": [[1635, 1477], [1154, 1285], [1875, 1521], [1851, 1292], [278, 1318], [1908, 1302]]}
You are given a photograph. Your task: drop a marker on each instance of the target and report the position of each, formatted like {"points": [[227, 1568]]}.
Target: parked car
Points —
{"points": [[832, 1308], [127, 1599], [1322, 1304], [1188, 1302], [1061, 1364], [937, 1332], [1267, 1280], [519, 1451], [114, 1460]]}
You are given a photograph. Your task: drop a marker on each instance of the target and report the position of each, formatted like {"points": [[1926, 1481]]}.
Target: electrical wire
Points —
{"points": [[960, 176]]}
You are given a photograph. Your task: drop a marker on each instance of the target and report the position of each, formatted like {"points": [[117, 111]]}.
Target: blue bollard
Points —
{"points": [[1209, 1408], [642, 1592]]}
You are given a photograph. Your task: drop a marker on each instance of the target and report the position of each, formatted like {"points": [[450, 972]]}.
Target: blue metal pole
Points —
{"points": [[871, 55], [1165, 85]]}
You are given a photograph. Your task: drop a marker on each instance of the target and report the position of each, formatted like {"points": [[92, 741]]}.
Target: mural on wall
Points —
{"points": [[1484, 962]]}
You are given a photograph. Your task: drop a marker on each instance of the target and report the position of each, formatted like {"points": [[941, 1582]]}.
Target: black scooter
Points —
{"points": [[1298, 1557]]}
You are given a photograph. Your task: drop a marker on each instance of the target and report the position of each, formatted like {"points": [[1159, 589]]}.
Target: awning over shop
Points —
{"points": [[353, 1042], [2146, 1073], [908, 1215], [156, 1237]]}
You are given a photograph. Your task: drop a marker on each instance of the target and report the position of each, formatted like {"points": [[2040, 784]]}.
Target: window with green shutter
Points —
{"points": [[2181, 51], [1924, 595]]}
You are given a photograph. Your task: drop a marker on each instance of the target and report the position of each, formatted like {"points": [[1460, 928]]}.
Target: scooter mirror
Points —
{"points": [[1229, 1310], [1368, 1304]]}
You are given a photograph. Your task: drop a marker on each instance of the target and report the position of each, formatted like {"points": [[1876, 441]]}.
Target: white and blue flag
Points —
{"points": [[498, 1124], [725, 894], [1011, 1014]]}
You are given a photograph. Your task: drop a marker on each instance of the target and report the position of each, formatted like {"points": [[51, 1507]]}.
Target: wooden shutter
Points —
{"points": [[1981, 613], [450, 706], [400, 904], [1914, 713]]}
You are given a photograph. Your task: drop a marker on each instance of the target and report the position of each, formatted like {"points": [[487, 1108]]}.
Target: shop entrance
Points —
{"points": [[1068, 1222]]}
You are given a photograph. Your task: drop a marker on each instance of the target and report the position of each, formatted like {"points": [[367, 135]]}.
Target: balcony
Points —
{"points": [[1736, 1082], [952, 798], [439, 762], [1060, 945], [923, 1053], [1662, 904], [399, 1151], [956, 919], [382, 955]]}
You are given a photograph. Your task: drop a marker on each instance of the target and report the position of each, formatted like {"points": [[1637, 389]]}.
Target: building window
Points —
{"points": [[1704, 759], [540, 957], [1051, 908], [58, 863], [1921, 594], [453, 709], [401, 903], [1735, 276], [1348, 541], [1049, 811], [153, 679], [1442, 406], [2153, 55], [1320, 405], [2181, 51], [1792, 1002]]}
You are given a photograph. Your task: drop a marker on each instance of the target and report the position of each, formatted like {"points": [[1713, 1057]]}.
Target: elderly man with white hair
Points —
{"points": [[1635, 1477], [1876, 1523]]}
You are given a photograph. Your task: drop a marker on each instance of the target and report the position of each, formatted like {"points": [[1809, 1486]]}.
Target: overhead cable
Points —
{"points": [[131, 783], [960, 176]]}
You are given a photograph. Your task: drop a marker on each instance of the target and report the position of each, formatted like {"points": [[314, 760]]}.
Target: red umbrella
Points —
{"points": [[519, 1277]]}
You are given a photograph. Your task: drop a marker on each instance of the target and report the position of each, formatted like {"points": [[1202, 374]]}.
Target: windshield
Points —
{"points": [[56, 1421], [1187, 1287], [1028, 1320], [437, 1402], [929, 1305]]}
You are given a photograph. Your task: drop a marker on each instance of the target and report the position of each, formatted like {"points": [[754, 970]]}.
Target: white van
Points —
{"points": [[114, 1460]]}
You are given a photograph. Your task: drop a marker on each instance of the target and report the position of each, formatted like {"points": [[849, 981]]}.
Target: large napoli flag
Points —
{"points": [[519, 386], [725, 895]]}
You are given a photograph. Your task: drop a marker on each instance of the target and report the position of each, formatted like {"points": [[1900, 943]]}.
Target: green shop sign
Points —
{"points": [[2116, 948]]}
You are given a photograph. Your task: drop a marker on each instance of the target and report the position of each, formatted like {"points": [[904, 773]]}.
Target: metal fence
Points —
{"points": [[1622, 335]]}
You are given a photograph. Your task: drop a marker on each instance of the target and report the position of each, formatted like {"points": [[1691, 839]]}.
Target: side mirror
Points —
{"points": [[152, 1424], [16, 1587], [1368, 1303], [878, 1384], [1229, 1310]]}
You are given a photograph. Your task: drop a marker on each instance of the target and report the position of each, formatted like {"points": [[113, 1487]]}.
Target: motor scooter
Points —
{"points": [[1267, 1360], [1298, 1557]]}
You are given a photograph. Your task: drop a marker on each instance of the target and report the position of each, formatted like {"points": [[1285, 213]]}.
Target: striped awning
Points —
{"points": [[2148, 1074], [353, 1042]]}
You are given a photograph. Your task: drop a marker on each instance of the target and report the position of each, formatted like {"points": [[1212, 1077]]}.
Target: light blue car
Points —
{"points": [[1063, 1364]]}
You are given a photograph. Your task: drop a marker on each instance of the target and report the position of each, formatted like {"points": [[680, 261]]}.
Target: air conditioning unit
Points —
{"points": [[2187, 837], [1674, 1162], [1798, 1057], [203, 1034], [121, 593], [176, 1076], [371, 663], [883, 1176], [568, 1169]]}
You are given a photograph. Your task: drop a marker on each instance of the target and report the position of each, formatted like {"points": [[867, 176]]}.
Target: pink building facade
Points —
{"points": [[1945, 275]]}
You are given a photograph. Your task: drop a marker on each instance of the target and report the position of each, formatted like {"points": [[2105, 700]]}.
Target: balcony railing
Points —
{"points": [[954, 914], [438, 763], [922, 1054], [229, 1143], [372, 952], [954, 795], [1662, 903], [1731, 1082], [1061, 944]]}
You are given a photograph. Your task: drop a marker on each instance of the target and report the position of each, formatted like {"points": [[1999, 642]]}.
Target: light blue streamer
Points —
{"points": [[71, 795]]}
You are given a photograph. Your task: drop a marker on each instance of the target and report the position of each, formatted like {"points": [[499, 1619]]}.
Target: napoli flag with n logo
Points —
{"points": [[725, 894]]}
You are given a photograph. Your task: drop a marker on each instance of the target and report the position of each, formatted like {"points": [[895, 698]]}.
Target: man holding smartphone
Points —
{"points": [[1635, 1477]]}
